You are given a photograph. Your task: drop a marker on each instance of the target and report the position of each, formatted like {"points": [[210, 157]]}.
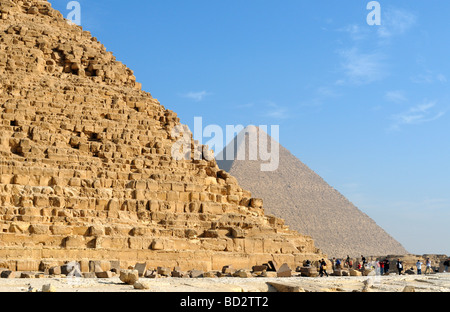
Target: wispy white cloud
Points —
{"points": [[396, 96], [396, 22], [355, 32], [243, 106], [196, 96], [362, 68], [416, 115], [273, 110], [429, 77]]}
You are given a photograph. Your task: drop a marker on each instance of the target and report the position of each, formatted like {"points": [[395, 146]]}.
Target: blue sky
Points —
{"points": [[366, 107]]}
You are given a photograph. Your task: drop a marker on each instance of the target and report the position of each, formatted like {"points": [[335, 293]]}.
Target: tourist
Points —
{"points": [[347, 262], [363, 259], [338, 264], [333, 266], [387, 265], [419, 267], [446, 265], [323, 268], [399, 267], [428, 264], [381, 267]]}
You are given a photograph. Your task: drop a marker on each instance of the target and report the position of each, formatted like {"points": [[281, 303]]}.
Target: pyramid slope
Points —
{"points": [[87, 170], [309, 205]]}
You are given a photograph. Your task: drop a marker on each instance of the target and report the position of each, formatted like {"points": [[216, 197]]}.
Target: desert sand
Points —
{"points": [[429, 283]]}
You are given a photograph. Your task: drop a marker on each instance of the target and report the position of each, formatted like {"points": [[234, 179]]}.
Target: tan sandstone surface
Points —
{"points": [[87, 171]]}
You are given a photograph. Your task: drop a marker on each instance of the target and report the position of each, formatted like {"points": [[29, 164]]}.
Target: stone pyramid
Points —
{"points": [[87, 171], [308, 204]]}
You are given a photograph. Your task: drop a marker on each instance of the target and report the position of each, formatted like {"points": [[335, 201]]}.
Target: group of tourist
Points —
{"points": [[381, 267]]}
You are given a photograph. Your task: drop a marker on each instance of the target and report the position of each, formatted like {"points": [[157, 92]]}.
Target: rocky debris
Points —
{"points": [[309, 272], [27, 275], [106, 274], [48, 288], [242, 274], [273, 267], [286, 288], [141, 268], [369, 272], [391, 283], [228, 270], [164, 271], [152, 274], [90, 275], [355, 272], [211, 274], [141, 285], [368, 284], [268, 274], [129, 276], [196, 273], [409, 289], [259, 268], [284, 271], [178, 273], [8, 274]]}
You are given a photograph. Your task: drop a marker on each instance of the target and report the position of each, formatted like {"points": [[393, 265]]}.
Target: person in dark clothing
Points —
{"points": [[446, 265], [363, 259], [387, 264], [338, 264], [323, 268], [347, 262], [399, 267]]}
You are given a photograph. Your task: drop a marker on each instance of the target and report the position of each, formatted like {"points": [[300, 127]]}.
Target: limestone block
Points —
{"points": [[309, 272], [242, 274], [141, 268], [55, 270], [39, 229], [355, 273], [106, 274], [41, 201], [211, 208], [256, 203], [7, 274], [284, 271], [61, 230], [129, 276], [96, 230], [74, 242], [196, 273], [28, 265], [140, 285]]}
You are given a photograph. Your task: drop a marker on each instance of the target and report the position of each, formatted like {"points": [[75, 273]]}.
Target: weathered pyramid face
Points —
{"points": [[308, 204], [86, 165]]}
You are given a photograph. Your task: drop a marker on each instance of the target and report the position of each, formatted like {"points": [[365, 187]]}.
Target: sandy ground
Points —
{"points": [[430, 283]]}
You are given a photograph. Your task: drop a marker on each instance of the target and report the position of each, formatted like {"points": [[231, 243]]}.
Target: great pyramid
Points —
{"points": [[308, 204], [87, 171]]}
